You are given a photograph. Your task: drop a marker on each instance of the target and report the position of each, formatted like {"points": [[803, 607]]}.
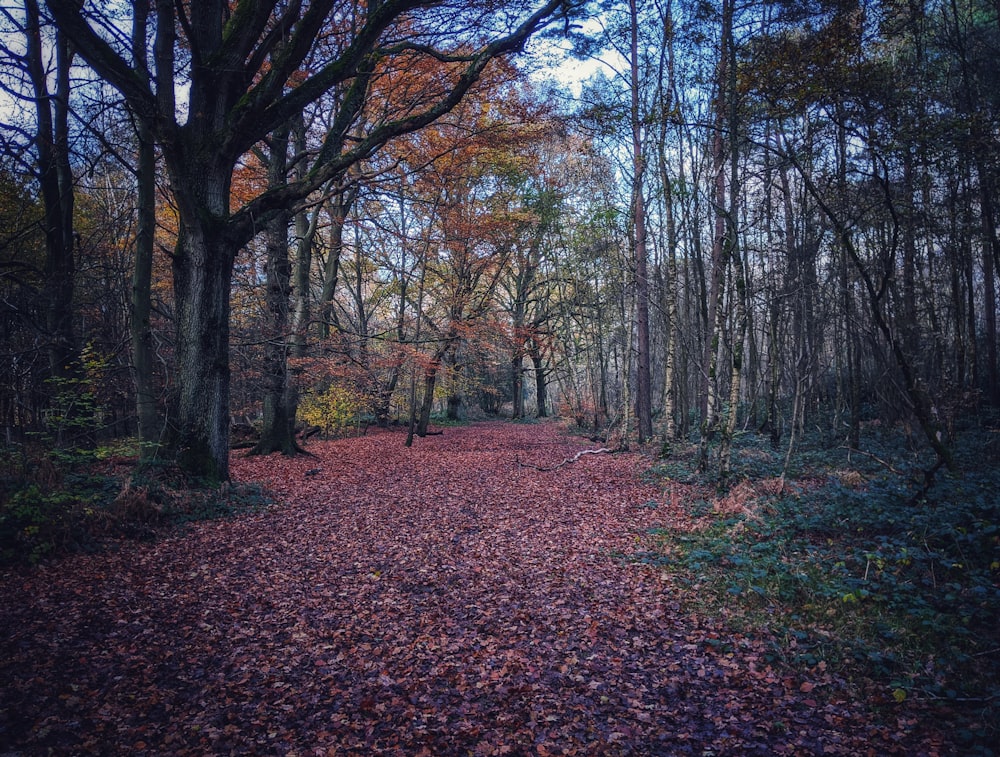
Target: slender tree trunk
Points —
{"points": [[384, 398], [518, 339], [643, 400], [430, 381], [774, 418], [278, 429], [669, 307], [627, 310], [736, 372], [149, 421], [709, 386], [668, 103], [798, 298], [852, 348], [990, 307], [412, 426], [340, 206], [140, 327], [601, 385], [427, 403], [306, 227], [55, 177], [735, 261], [957, 300], [969, 275], [910, 326]]}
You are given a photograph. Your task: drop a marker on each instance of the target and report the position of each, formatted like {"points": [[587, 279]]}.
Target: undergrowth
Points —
{"points": [[53, 502], [443, 421], [854, 567]]}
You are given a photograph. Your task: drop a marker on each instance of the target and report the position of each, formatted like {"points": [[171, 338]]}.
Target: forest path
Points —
{"points": [[437, 600]]}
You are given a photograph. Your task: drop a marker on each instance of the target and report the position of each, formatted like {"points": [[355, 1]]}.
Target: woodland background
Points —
{"points": [[761, 240], [772, 216]]}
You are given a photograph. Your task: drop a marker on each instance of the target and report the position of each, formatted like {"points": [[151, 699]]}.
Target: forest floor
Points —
{"points": [[446, 599]]}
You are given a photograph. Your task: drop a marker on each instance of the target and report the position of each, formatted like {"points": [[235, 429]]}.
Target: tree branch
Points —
{"points": [[568, 460]]}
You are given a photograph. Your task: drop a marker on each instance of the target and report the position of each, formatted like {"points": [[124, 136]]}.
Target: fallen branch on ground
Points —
{"points": [[880, 461], [568, 460]]}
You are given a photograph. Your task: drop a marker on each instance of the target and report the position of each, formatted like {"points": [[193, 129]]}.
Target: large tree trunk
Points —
{"points": [[455, 406], [541, 383], [430, 379], [140, 327], [202, 268], [201, 178], [517, 383]]}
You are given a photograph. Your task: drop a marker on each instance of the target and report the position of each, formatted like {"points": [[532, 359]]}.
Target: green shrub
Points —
{"points": [[74, 505], [35, 524], [862, 568]]}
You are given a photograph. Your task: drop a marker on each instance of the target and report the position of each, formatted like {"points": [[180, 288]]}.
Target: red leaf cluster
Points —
{"points": [[437, 600]]}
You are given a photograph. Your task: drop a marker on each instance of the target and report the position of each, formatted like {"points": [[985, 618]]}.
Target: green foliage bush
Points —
{"points": [[36, 522], [61, 501], [863, 568], [76, 409], [27, 523]]}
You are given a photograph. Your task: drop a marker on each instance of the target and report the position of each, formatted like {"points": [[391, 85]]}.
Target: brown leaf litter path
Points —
{"points": [[437, 600]]}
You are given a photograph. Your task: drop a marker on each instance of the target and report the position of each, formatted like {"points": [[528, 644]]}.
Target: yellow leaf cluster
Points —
{"points": [[332, 410]]}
